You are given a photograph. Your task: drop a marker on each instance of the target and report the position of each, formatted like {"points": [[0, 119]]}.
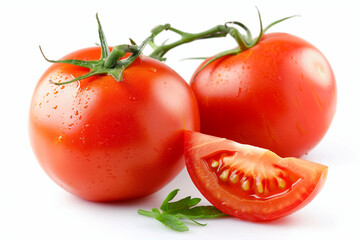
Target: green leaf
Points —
{"points": [[173, 212], [146, 213], [174, 223], [183, 203], [191, 219], [202, 212], [164, 205], [157, 214]]}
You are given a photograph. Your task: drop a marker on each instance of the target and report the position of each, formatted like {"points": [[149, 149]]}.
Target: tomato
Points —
{"points": [[249, 182], [279, 95], [104, 140]]}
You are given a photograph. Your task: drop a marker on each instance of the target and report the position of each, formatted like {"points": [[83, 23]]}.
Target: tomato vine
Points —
{"points": [[244, 42]]}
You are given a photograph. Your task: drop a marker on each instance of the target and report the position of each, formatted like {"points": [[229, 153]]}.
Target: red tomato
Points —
{"points": [[279, 95], [248, 182], [104, 140]]}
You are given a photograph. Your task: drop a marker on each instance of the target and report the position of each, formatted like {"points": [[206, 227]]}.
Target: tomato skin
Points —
{"points": [[104, 140], [232, 201], [279, 95]]}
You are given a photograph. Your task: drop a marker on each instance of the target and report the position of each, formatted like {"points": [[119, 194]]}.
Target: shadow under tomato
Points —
{"points": [[147, 202], [304, 220]]}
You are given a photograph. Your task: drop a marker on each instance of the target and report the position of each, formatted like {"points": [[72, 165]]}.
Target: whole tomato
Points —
{"points": [[107, 140], [279, 94]]}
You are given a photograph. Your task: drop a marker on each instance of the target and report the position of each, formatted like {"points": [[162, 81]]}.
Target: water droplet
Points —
{"points": [[239, 92], [76, 112], [153, 70], [55, 107]]}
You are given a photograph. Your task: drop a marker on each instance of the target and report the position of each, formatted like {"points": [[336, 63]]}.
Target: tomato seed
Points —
{"points": [[245, 185], [234, 178], [224, 175], [215, 164], [281, 182], [260, 187]]}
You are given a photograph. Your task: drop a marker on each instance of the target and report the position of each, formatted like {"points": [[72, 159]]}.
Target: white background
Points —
{"points": [[33, 207]]}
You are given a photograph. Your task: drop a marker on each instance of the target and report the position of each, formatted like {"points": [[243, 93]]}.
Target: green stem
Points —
{"points": [[113, 64], [244, 42], [114, 56], [239, 39], [217, 31], [145, 213], [118, 52]]}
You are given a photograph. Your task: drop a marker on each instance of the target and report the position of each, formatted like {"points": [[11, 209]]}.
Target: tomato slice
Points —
{"points": [[248, 182]]}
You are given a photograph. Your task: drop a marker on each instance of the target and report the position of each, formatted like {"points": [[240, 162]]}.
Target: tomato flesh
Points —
{"points": [[249, 182]]}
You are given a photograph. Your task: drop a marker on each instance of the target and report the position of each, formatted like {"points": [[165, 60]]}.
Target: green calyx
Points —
{"points": [[110, 62]]}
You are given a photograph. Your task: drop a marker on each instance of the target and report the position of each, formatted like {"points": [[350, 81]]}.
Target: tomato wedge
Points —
{"points": [[248, 182]]}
